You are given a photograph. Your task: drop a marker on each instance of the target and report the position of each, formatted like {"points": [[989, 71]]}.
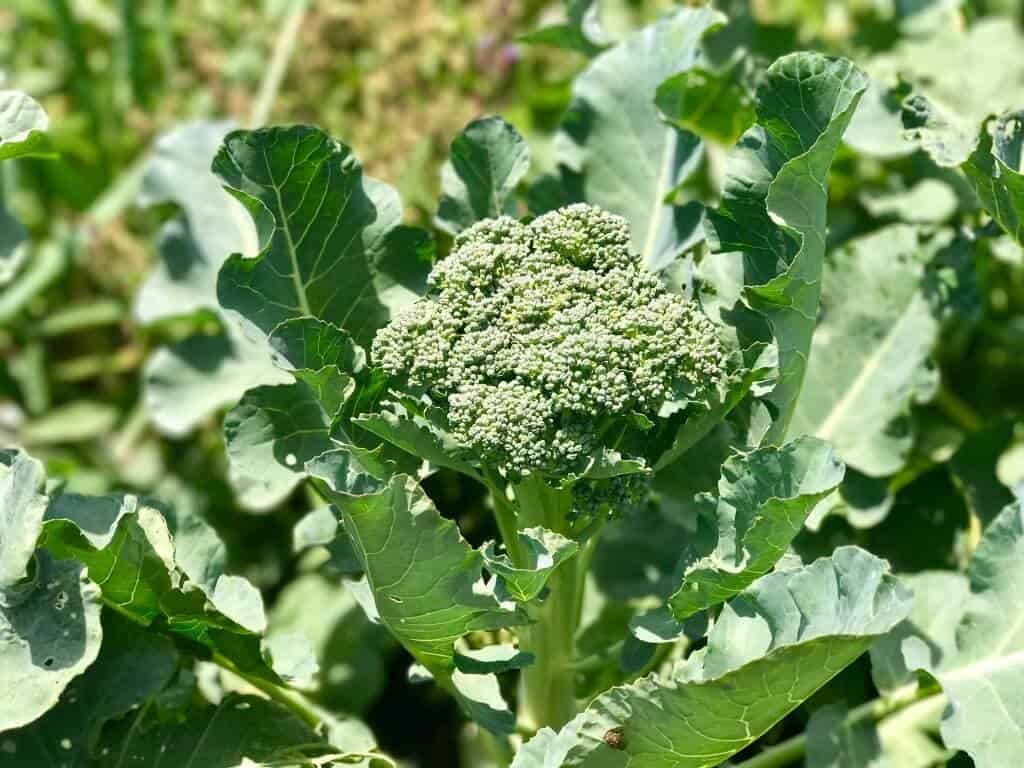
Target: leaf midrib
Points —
{"points": [[874, 362], [667, 152], [300, 289]]}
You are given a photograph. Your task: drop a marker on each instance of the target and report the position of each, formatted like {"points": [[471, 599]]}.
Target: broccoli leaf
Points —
{"points": [[580, 32], [214, 737], [23, 126], [330, 241], [133, 666], [982, 674], [274, 431], [187, 381], [871, 352], [834, 742], [714, 104], [491, 659], [21, 513], [773, 210], [211, 225], [540, 551], [320, 527], [991, 159], [305, 346], [939, 598], [979, 85], [352, 653], [49, 634], [424, 579], [488, 159], [271, 434], [127, 548], [838, 738], [996, 172], [417, 436], [771, 648], [764, 497], [612, 136]]}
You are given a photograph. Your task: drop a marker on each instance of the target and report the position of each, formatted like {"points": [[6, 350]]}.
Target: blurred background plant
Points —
{"points": [[107, 320]]}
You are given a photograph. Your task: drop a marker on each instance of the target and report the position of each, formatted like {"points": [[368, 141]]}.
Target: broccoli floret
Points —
{"points": [[538, 337]]}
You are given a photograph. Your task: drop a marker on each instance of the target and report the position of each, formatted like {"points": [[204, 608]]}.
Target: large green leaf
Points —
{"points": [[908, 738], [839, 738], [274, 431], [49, 614], [330, 244], [994, 164], [129, 551], [188, 381], [771, 648], [983, 675], [488, 159], [764, 497], [416, 435], [996, 172], [424, 580], [835, 742], [213, 737], [629, 160], [49, 634], [870, 356], [771, 221], [22, 505], [211, 226], [985, 79], [133, 666], [270, 435], [195, 377], [939, 598]]}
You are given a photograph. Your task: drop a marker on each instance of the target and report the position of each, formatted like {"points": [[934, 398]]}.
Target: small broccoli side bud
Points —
{"points": [[595, 499], [535, 337]]}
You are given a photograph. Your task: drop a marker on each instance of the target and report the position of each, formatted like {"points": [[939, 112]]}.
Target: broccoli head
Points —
{"points": [[541, 338]]}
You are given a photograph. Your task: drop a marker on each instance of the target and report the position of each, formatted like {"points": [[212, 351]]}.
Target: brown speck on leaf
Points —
{"points": [[615, 738]]}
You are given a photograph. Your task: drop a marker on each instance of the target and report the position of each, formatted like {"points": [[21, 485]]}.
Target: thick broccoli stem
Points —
{"points": [[547, 694]]}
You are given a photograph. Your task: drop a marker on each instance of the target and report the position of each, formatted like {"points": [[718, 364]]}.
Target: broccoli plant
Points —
{"points": [[543, 349], [565, 362], [645, 357]]}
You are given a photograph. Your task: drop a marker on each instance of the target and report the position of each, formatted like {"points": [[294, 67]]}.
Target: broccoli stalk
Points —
{"points": [[539, 349], [547, 687]]}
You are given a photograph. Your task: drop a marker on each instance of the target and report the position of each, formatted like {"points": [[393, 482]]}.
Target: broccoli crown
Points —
{"points": [[536, 334]]}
